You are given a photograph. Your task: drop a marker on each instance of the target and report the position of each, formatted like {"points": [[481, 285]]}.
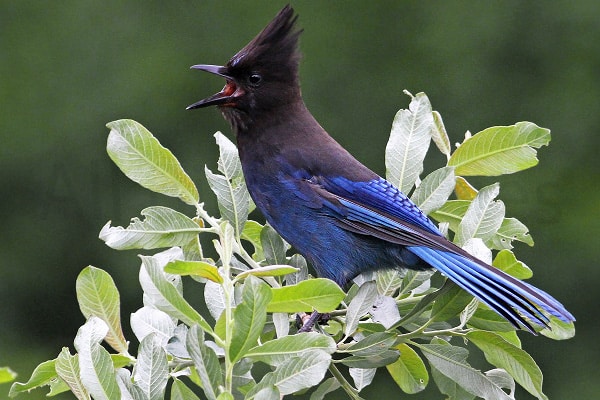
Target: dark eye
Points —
{"points": [[255, 79]]}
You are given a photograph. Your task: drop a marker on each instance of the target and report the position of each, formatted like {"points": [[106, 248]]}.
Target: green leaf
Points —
{"points": [[359, 306], [434, 190], [515, 361], [408, 143], [249, 317], [164, 295], [277, 351], [451, 362], [144, 160], [511, 229], [195, 268], [375, 343], [451, 303], [151, 369], [464, 190], [42, 375], [269, 270], [488, 320], [559, 330], [97, 371], [327, 386], [452, 212], [7, 375], [408, 371], [507, 262], [162, 227], [500, 150], [179, 391], [439, 135], [98, 296], [251, 233], [67, 368], [318, 294], [483, 217], [205, 361], [273, 246], [296, 374], [371, 361]]}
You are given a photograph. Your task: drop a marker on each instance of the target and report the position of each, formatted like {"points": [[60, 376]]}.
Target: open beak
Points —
{"points": [[226, 96]]}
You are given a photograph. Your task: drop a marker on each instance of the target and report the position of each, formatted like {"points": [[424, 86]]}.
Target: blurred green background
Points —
{"points": [[67, 68]]}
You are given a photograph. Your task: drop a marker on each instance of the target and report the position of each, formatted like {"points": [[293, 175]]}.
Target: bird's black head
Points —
{"points": [[260, 77]]}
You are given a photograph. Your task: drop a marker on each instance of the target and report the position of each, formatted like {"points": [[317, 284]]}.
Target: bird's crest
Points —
{"points": [[275, 47]]}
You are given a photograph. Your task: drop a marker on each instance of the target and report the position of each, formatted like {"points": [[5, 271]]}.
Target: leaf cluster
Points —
{"points": [[403, 322]]}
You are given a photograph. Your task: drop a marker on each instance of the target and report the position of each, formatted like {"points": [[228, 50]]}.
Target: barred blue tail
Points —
{"points": [[508, 296]]}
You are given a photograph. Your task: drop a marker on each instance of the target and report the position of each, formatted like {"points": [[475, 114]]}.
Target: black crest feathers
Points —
{"points": [[275, 47]]}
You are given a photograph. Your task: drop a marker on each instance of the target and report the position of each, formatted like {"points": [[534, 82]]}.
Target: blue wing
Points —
{"points": [[379, 209]]}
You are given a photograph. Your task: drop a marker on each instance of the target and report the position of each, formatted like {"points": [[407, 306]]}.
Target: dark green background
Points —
{"points": [[67, 68]]}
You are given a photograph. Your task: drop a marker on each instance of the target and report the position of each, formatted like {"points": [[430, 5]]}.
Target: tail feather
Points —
{"points": [[508, 296]]}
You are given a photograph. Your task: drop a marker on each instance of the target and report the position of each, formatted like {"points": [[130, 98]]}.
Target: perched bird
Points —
{"points": [[343, 217]]}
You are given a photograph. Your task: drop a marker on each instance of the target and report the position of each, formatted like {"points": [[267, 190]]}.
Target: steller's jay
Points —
{"points": [[340, 215]]}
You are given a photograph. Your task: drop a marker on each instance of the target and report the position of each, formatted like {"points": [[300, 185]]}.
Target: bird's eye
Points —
{"points": [[255, 79]]}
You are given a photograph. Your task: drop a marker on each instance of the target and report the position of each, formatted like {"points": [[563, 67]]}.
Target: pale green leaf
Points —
{"points": [[408, 371], [273, 246], [277, 351], [515, 361], [362, 377], [483, 217], [511, 229], [249, 317], [296, 374], [439, 135], [206, 362], [434, 190], [97, 372], [151, 370], [500, 150], [451, 362], [251, 233], [389, 281], [148, 320], [144, 160], [318, 294], [486, 319], [233, 199], [67, 367], [164, 294], [98, 296], [359, 306], [162, 227], [408, 143]]}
